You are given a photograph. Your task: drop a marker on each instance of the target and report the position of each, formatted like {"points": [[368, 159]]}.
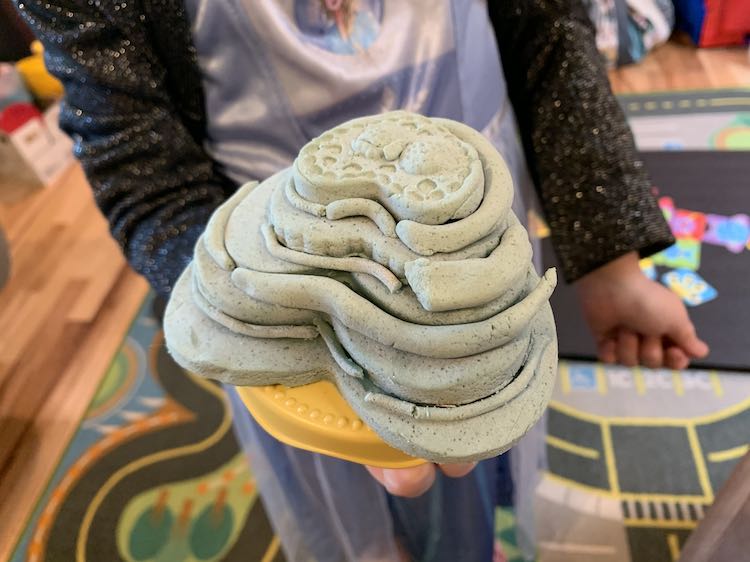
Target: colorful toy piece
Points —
{"points": [[685, 254], [688, 224], [537, 226], [648, 269], [714, 23], [731, 232], [41, 83], [667, 207], [689, 286]]}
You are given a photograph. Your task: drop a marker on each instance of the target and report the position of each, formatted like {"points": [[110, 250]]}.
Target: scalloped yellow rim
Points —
{"points": [[316, 418]]}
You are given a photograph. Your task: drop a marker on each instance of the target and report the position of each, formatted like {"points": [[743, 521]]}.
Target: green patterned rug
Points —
{"points": [[153, 473]]}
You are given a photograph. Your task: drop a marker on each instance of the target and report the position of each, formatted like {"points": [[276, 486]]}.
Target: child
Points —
{"points": [[173, 104]]}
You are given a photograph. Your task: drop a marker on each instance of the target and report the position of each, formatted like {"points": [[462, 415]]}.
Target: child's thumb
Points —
{"points": [[683, 335]]}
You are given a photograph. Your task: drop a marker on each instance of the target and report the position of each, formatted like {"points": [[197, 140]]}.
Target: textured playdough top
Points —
{"points": [[415, 168], [388, 260]]}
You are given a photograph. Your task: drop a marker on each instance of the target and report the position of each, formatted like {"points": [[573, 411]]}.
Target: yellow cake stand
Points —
{"points": [[316, 418]]}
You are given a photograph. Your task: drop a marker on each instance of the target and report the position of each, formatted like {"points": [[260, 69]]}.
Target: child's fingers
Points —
{"points": [[683, 334], [675, 358], [627, 348], [407, 482], [607, 350], [376, 473], [457, 470], [651, 352]]}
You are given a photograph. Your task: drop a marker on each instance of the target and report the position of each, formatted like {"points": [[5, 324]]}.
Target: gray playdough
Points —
{"points": [[387, 260]]}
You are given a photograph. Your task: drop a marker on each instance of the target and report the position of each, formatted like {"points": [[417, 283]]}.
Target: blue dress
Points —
{"points": [[277, 73], [326, 509]]}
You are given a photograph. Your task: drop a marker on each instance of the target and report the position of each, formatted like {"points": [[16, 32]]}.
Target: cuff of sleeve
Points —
{"points": [[580, 253]]}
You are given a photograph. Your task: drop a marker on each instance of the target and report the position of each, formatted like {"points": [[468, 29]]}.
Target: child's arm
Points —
{"points": [[151, 178], [594, 190], [550, 58], [580, 151]]}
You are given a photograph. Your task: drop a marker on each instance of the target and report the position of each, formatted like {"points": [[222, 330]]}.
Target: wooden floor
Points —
{"points": [[71, 299], [682, 67], [63, 314]]}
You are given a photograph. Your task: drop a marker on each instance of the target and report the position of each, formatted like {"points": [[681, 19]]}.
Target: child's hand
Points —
{"points": [[413, 482], [636, 320]]}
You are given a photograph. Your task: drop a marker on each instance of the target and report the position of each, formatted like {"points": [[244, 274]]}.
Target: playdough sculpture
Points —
{"points": [[387, 260]]}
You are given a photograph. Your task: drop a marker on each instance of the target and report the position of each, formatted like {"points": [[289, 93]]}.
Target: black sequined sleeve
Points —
{"points": [[581, 154], [150, 176]]}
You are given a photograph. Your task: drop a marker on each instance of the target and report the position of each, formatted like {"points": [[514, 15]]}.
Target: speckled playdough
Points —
{"points": [[388, 260]]}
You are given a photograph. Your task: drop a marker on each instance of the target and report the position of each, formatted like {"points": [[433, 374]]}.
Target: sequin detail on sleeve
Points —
{"points": [[580, 151], [134, 133]]}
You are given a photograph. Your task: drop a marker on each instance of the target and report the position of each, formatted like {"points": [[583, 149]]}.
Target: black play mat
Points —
{"points": [[708, 182]]}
